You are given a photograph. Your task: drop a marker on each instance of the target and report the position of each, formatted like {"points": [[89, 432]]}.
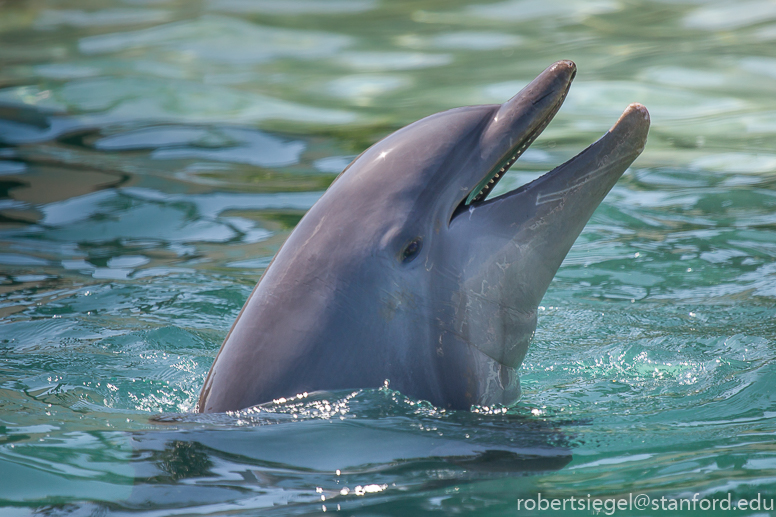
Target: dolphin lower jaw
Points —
{"points": [[533, 228]]}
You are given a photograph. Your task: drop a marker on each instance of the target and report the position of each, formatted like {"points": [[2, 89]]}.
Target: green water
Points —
{"points": [[154, 154]]}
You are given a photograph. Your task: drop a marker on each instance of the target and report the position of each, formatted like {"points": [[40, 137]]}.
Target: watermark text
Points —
{"points": [[631, 502]]}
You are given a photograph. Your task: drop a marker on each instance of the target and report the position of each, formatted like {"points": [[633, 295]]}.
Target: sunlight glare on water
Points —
{"points": [[155, 155]]}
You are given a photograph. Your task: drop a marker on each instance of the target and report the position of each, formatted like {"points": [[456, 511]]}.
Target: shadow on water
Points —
{"points": [[362, 450]]}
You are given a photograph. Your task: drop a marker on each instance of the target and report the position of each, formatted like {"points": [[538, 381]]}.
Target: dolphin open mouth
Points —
{"points": [[520, 120]]}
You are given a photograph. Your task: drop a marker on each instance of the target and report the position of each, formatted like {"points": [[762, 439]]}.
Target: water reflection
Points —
{"points": [[320, 449]]}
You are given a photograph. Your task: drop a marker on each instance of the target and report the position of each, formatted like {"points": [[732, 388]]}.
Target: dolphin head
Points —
{"points": [[406, 271]]}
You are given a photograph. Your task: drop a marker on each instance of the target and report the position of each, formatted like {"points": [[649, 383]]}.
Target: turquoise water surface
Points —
{"points": [[154, 154]]}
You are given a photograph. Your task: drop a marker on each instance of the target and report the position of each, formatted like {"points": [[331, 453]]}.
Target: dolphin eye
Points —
{"points": [[411, 250]]}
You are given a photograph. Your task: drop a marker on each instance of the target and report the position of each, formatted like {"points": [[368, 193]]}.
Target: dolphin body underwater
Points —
{"points": [[403, 270]]}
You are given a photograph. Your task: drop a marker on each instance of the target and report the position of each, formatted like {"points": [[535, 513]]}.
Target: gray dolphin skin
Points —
{"points": [[405, 271]]}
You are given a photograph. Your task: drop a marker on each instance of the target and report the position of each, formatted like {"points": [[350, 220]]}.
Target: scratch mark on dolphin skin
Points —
{"points": [[555, 195], [315, 231]]}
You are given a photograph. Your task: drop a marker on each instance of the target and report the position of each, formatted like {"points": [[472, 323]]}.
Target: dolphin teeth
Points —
{"points": [[518, 152]]}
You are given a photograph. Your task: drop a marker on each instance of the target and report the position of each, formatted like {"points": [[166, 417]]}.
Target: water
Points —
{"points": [[157, 153]]}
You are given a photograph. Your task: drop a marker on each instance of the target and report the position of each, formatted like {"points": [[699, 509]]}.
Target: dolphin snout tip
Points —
{"points": [[632, 129], [635, 119], [566, 63], [639, 109], [565, 66]]}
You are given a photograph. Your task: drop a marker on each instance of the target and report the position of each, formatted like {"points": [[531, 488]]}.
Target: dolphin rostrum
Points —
{"points": [[405, 271]]}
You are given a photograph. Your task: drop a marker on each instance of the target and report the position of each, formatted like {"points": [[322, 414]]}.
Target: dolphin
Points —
{"points": [[406, 271]]}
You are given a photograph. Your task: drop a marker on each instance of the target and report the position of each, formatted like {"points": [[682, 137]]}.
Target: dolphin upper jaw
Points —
{"points": [[516, 124]]}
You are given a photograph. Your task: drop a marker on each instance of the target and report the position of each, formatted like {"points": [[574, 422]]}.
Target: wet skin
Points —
{"points": [[405, 271]]}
